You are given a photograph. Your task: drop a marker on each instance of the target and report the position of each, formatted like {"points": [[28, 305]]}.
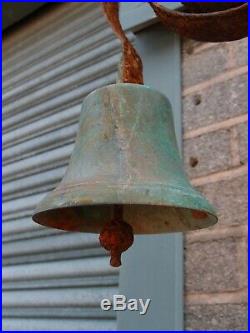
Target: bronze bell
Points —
{"points": [[125, 174]]}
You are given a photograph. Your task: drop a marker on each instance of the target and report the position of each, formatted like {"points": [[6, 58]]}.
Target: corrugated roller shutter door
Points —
{"points": [[52, 280]]}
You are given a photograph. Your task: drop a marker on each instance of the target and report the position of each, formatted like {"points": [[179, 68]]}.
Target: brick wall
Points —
{"points": [[215, 156]]}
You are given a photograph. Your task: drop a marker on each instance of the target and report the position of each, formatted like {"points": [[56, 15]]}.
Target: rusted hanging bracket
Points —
{"points": [[202, 21], [206, 21], [206, 7]]}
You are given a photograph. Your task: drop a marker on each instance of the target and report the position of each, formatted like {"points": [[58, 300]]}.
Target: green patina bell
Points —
{"points": [[125, 167]]}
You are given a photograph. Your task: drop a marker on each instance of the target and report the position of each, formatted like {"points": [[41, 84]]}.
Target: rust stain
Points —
{"points": [[197, 214]]}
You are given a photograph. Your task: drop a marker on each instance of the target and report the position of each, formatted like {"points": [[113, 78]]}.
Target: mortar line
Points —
{"points": [[217, 126], [228, 75], [219, 176]]}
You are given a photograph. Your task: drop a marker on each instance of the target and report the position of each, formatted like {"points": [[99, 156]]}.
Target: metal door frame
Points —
{"points": [[153, 268]]}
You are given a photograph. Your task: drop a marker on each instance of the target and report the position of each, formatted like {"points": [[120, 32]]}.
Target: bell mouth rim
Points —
{"points": [[56, 204], [213, 219]]}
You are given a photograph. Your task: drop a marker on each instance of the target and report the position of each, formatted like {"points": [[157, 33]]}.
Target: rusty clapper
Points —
{"points": [[125, 175]]}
